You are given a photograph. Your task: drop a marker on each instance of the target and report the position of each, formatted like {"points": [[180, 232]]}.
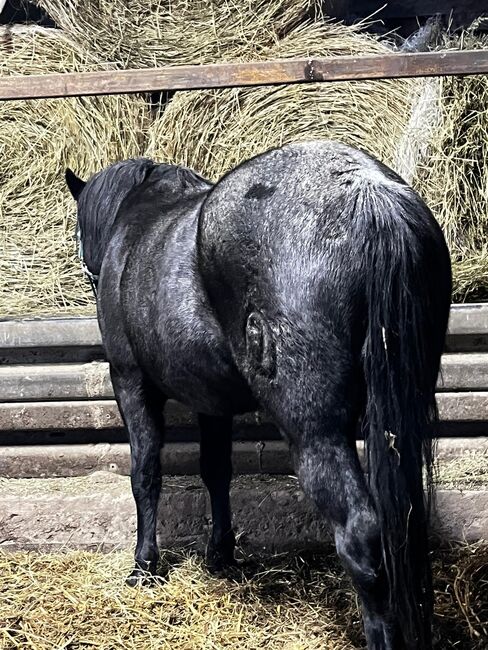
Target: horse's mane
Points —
{"points": [[99, 203], [103, 194]]}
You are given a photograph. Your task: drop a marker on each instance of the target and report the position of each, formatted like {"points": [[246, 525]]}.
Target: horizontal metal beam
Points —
{"points": [[178, 458], [30, 419], [56, 381], [93, 414], [84, 381], [463, 372], [468, 328], [49, 332], [47, 340], [104, 414], [259, 73]]}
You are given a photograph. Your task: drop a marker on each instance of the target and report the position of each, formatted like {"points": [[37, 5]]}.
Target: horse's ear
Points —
{"points": [[74, 183]]}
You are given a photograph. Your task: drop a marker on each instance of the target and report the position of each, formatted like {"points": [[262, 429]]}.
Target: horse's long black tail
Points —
{"points": [[407, 277]]}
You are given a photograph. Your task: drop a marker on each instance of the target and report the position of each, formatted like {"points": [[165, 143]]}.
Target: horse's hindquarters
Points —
{"points": [[331, 280]]}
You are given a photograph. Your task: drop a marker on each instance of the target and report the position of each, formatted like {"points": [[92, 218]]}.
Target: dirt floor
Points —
{"points": [[78, 600]]}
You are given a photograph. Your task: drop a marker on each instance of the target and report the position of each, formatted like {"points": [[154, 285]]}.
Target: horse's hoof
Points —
{"points": [[219, 567], [232, 571], [139, 578], [219, 556], [218, 563]]}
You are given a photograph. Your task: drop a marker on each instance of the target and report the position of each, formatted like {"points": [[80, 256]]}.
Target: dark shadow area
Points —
{"points": [[21, 11], [460, 582], [402, 18]]}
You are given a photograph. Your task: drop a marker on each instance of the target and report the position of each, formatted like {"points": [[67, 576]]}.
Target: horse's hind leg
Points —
{"points": [[330, 474], [142, 410], [320, 419], [216, 472]]}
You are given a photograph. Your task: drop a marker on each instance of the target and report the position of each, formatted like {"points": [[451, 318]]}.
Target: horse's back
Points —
{"points": [[287, 221], [296, 189]]}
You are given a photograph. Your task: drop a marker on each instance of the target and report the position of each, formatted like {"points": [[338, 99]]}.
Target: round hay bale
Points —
{"points": [[213, 130], [39, 271], [134, 33], [453, 178]]}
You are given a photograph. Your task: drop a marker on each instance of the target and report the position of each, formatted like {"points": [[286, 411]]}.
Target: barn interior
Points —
{"points": [[67, 523]]}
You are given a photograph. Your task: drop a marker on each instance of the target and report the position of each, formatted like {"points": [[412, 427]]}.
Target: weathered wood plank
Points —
{"points": [[104, 414], [60, 381], [228, 75]]}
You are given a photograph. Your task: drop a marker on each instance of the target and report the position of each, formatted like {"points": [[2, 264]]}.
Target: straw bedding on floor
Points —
{"points": [[78, 601]]}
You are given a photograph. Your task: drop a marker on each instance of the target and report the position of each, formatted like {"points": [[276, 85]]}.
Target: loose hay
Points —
{"points": [[434, 132], [39, 139], [133, 33], [78, 601], [468, 471], [39, 272], [453, 178]]}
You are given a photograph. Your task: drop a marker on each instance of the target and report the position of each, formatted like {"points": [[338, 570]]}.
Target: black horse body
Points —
{"points": [[154, 314], [311, 282]]}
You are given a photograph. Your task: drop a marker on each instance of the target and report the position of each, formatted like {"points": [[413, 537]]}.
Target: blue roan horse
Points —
{"points": [[313, 283]]}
